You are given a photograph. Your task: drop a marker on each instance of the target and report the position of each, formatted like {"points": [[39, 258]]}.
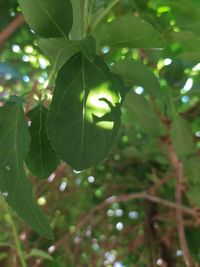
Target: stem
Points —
{"points": [[86, 14], [104, 13], [14, 232]]}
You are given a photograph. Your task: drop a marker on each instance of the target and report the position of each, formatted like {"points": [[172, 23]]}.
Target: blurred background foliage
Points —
{"points": [[88, 230]]}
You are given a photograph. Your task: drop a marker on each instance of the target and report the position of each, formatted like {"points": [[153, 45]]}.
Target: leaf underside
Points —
{"points": [[84, 115]]}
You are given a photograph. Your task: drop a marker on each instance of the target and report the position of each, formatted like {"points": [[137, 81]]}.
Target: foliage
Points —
{"points": [[99, 114]]}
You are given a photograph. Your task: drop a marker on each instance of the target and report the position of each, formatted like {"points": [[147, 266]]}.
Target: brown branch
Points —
{"points": [[11, 28], [120, 199], [178, 166]]}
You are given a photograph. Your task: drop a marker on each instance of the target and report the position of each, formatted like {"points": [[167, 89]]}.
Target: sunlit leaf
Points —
{"points": [[14, 145], [84, 115]]}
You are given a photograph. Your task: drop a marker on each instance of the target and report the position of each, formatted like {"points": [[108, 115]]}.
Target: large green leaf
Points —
{"points": [[14, 145], [59, 50], [181, 135], [141, 114], [129, 31], [135, 73], [48, 18], [84, 115], [41, 159]]}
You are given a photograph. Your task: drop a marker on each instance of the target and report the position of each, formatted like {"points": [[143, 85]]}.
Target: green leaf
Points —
{"points": [[58, 50], [46, 18], [39, 253], [181, 136], [129, 31], [84, 116], [174, 72], [193, 237], [41, 159], [135, 73], [88, 47], [141, 114], [192, 169], [14, 145], [193, 195]]}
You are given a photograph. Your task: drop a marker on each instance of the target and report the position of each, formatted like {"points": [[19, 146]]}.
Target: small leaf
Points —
{"points": [[135, 73], [129, 31], [39, 253], [46, 18], [141, 114], [14, 145], [84, 115], [181, 136], [41, 159]]}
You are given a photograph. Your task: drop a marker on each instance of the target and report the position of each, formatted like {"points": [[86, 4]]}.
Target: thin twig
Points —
{"points": [[124, 198]]}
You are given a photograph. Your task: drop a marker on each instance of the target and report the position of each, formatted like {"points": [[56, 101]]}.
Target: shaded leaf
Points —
{"points": [[14, 145], [47, 18], [129, 31], [84, 115], [174, 72], [193, 195], [60, 50], [193, 237], [41, 159], [135, 73], [181, 136], [141, 114], [192, 169]]}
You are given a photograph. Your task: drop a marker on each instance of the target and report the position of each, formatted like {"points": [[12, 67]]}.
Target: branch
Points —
{"points": [[11, 28], [120, 199], [178, 166]]}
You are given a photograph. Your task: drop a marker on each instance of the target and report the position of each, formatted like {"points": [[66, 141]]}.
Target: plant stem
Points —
{"points": [[14, 232], [104, 13], [86, 15]]}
